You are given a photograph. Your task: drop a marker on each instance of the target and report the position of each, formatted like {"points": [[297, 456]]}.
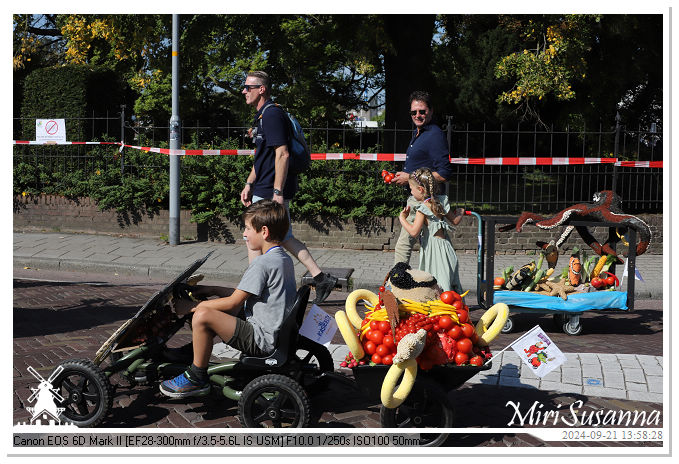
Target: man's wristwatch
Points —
{"points": [[248, 184], [277, 192]]}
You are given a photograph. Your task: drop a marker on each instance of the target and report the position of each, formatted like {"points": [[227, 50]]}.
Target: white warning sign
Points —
{"points": [[50, 130]]}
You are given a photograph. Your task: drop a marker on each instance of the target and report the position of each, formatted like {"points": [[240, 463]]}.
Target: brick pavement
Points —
{"points": [[54, 322]]}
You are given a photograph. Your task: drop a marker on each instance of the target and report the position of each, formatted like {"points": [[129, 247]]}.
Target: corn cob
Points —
{"points": [[599, 266]]}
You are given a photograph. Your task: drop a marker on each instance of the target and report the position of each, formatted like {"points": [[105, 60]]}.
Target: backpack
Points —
{"points": [[300, 155]]}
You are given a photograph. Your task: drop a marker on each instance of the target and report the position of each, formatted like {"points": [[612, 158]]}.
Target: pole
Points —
{"points": [[175, 137], [616, 149], [122, 139]]}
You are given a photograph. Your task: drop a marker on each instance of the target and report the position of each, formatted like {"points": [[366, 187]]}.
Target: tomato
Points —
{"points": [[384, 327], [449, 297], [498, 282], [388, 341], [382, 350], [445, 322], [376, 336], [384, 172], [382, 289], [369, 347], [376, 358], [388, 360], [461, 358], [458, 305], [610, 281], [467, 330], [476, 361], [463, 316], [455, 332], [597, 282], [464, 345], [474, 338], [388, 178]]}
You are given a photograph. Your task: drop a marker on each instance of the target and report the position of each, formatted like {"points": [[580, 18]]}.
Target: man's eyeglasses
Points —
{"points": [[248, 87], [414, 112]]}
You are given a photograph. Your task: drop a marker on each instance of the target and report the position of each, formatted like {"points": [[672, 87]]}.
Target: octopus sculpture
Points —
{"points": [[605, 208]]}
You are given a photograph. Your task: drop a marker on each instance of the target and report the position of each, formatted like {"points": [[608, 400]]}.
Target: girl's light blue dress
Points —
{"points": [[437, 255]]}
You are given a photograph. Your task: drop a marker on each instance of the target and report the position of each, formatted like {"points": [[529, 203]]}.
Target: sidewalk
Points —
{"points": [[622, 376], [149, 257]]}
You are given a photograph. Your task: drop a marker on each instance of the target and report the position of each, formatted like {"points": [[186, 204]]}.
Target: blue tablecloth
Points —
{"points": [[576, 302]]}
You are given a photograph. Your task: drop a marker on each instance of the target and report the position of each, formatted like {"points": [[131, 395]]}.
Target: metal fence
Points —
{"points": [[486, 188]]}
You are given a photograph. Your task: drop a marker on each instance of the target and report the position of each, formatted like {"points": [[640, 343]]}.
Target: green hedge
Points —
{"points": [[70, 92]]}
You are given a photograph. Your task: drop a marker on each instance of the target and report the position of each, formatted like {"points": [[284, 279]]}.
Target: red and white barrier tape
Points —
{"points": [[513, 161]]}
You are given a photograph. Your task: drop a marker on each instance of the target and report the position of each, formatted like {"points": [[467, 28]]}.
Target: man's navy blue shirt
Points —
{"points": [[428, 149], [275, 131]]}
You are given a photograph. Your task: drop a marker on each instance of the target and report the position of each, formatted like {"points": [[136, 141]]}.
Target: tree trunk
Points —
{"points": [[407, 66]]}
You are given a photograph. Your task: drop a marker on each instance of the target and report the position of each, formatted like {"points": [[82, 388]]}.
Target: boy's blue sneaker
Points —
{"points": [[182, 387]]}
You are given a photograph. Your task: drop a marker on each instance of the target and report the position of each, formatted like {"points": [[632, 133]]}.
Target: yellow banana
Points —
{"points": [[349, 334], [350, 305], [393, 398], [487, 331]]}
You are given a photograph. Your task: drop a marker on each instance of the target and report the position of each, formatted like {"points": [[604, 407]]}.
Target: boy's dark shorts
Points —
{"points": [[244, 339]]}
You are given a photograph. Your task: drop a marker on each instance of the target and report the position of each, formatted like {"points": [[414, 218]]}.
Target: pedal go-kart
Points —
{"points": [[272, 391]]}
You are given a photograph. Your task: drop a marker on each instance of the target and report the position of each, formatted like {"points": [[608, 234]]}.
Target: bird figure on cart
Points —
{"points": [[606, 207]]}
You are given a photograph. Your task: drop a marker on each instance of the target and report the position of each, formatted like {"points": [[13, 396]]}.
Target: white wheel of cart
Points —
{"points": [[572, 325], [508, 327]]}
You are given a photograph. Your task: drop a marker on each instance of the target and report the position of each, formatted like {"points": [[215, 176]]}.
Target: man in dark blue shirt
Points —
{"points": [[270, 177], [427, 149]]}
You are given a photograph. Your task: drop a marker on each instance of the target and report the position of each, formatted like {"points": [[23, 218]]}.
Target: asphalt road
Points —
{"points": [[59, 316]]}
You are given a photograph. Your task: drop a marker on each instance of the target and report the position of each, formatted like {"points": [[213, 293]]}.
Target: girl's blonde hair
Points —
{"points": [[425, 179]]}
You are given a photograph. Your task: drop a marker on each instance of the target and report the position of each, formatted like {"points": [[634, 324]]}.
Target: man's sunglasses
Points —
{"points": [[248, 87], [414, 112]]}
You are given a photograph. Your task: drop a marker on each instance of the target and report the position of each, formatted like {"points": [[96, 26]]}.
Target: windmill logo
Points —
{"points": [[45, 394]]}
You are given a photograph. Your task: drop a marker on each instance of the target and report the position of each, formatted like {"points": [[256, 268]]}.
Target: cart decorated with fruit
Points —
{"points": [[586, 282], [409, 354]]}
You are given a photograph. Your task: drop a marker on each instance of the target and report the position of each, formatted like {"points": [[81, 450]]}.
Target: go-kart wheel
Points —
{"points": [[572, 326], [508, 327], [87, 393], [274, 400], [427, 406]]}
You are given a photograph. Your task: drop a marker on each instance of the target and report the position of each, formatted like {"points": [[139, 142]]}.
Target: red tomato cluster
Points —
{"points": [[378, 343], [387, 176], [447, 341]]}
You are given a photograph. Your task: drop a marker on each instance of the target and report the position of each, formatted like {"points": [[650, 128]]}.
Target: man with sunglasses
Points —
{"points": [[428, 148], [270, 178]]}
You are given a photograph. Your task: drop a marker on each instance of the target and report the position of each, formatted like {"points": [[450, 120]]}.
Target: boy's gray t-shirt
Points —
{"points": [[270, 279]]}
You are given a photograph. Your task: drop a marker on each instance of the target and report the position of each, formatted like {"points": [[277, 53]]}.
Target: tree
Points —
{"points": [[407, 66]]}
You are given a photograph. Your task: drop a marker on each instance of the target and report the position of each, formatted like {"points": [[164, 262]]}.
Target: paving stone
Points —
{"points": [[490, 379], [614, 379], [589, 358], [652, 369], [546, 385], [645, 396], [509, 371], [554, 376], [635, 375], [592, 371], [655, 384], [632, 386], [628, 360], [506, 381], [571, 375], [590, 390]]}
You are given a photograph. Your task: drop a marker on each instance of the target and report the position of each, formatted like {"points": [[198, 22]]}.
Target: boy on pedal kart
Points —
{"points": [[266, 292]]}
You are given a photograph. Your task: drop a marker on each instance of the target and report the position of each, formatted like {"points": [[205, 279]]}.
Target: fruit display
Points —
{"points": [[583, 274], [450, 336]]}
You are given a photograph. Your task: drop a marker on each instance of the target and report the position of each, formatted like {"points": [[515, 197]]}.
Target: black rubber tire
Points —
{"points": [[427, 406], [87, 393], [569, 329], [508, 327], [274, 400]]}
